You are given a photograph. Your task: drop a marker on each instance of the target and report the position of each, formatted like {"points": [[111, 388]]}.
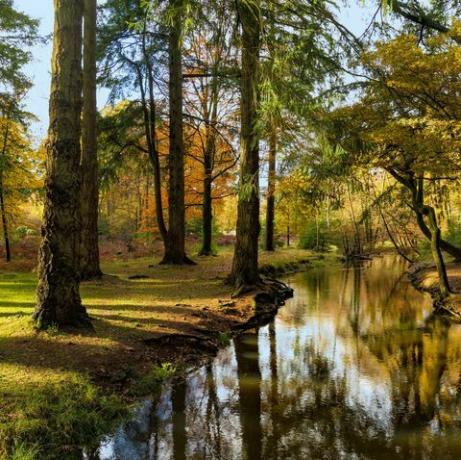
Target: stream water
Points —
{"points": [[355, 366]]}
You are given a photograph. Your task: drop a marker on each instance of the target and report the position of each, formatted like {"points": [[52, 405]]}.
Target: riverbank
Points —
{"points": [[61, 389], [424, 277]]}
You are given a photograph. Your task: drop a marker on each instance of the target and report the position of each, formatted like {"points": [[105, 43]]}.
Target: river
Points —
{"points": [[355, 366]]}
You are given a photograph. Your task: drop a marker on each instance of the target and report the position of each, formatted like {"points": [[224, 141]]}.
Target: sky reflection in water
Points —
{"points": [[354, 366]]}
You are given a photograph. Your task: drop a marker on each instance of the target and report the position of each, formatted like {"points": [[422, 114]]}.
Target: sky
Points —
{"points": [[355, 18]]}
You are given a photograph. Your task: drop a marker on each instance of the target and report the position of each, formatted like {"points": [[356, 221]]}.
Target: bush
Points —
{"points": [[55, 420], [24, 231], [310, 238], [151, 382], [453, 234]]}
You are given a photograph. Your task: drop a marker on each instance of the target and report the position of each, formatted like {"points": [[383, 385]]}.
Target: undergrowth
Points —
{"points": [[55, 420]]}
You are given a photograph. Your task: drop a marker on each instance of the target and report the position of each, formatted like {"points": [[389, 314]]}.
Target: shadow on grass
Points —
{"points": [[111, 345]]}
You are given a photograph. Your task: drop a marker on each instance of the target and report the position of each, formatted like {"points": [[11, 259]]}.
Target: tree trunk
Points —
{"points": [[450, 249], [208, 155], [245, 263], [58, 297], [89, 194], [436, 251], [207, 212], [175, 248], [6, 237], [150, 115], [270, 211], [417, 203], [149, 130]]}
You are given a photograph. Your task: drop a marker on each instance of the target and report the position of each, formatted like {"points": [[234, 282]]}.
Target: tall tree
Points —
{"points": [[5, 139], [270, 208], [175, 251], [131, 59], [17, 30], [209, 102], [18, 166], [89, 194], [58, 297], [245, 263]]}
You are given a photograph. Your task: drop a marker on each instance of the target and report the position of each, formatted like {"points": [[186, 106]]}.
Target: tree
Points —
{"points": [[296, 62], [175, 250], [89, 194], [405, 124], [209, 101], [18, 175], [245, 263], [5, 140], [58, 297], [270, 207], [17, 31], [138, 54]]}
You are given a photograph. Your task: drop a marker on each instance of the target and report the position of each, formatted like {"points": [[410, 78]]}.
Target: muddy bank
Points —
{"points": [[202, 331], [256, 308], [424, 278]]}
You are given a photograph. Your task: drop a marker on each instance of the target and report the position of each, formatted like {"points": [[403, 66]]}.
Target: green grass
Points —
{"points": [[53, 420], [151, 381], [224, 339]]}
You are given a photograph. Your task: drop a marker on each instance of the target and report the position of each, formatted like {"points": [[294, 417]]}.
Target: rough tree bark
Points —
{"points": [[89, 194], [416, 189], [175, 252], [150, 117], [436, 251], [208, 155], [207, 208], [270, 209], [245, 263], [6, 237], [58, 297]]}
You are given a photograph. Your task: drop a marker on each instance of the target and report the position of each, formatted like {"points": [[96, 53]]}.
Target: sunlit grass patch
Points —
{"points": [[54, 419]]}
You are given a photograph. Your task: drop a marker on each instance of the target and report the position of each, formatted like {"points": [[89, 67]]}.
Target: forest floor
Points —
{"points": [[425, 278], [145, 319]]}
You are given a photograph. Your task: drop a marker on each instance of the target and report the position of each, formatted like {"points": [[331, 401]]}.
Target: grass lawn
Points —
{"points": [[61, 390]]}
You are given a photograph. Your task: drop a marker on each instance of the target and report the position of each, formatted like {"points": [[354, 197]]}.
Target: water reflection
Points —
{"points": [[355, 366]]}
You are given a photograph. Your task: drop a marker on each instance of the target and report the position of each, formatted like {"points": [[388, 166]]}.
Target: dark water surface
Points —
{"points": [[353, 367]]}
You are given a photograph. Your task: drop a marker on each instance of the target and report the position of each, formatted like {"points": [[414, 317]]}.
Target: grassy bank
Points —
{"points": [[61, 390]]}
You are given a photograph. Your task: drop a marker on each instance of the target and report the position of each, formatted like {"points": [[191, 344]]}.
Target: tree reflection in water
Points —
{"points": [[354, 366]]}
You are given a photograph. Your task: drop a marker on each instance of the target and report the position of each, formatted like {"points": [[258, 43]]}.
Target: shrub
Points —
{"points": [[311, 238], [453, 234], [56, 420]]}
